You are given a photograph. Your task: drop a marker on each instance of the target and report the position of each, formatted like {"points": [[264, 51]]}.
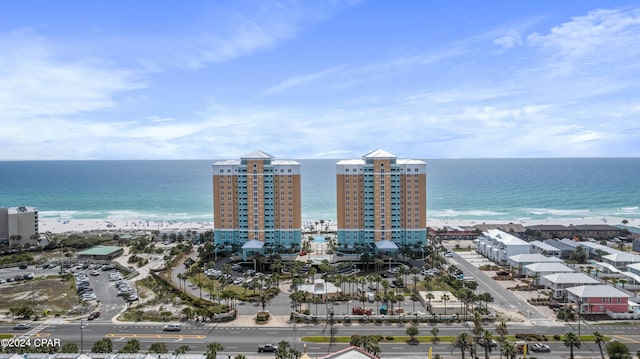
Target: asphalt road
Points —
{"points": [[502, 297], [244, 340]]}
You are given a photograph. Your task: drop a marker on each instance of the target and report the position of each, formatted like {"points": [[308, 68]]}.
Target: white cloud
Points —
{"points": [[599, 34], [508, 41], [35, 82]]}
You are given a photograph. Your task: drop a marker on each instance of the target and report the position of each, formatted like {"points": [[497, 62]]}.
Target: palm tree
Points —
{"points": [[183, 349], [509, 349], [488, 343], [445, 298], [213, 349], [463, 343], [429, 296], [571, 340], [501, 330], [599, 339], [434, 332]]}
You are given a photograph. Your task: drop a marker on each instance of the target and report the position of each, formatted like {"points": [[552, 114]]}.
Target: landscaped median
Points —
{"points": [[430, 339]]}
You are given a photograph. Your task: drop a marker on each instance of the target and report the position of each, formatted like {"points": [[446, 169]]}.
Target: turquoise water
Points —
{"points": [[318, 240], [493, 189]]}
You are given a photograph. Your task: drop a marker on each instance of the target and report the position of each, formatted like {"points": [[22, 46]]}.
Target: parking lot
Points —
{"points": [[100, 288]]}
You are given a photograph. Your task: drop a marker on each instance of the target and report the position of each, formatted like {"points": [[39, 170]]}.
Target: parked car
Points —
{"points": [[360, 311], [267, 348], [172, 328]]}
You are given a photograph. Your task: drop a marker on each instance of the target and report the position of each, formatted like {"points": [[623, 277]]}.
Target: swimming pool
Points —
{"points": [[318, 240]]}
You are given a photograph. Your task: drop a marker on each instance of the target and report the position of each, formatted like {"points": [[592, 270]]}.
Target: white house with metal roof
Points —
{"points": [[545, 249], [558, 282], [537, 270], [498, 246], [524, 259], [621, 260]]}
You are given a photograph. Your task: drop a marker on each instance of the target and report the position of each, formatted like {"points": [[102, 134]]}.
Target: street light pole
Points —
{"points": [[81, 337], [579, 316]]}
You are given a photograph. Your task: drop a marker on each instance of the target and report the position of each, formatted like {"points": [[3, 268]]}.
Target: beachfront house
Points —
{"points": [[518, 262], [599, 299], [536, 270], [633, 273], [545, 249], [498, 246], [559, 282], [565, 248], [621, 260]]}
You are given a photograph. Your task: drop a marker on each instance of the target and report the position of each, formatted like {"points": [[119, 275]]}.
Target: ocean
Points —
{"points": [[457, 189]]}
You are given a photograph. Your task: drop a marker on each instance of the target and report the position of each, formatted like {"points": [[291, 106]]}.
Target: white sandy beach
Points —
{"points": [[54, 225]]}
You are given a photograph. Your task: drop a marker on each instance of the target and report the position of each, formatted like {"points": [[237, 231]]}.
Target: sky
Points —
{"points": [[173, 79]]}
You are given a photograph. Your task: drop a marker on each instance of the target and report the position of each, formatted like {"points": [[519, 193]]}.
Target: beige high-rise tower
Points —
{"points": [[381, 197], [257, 198]]}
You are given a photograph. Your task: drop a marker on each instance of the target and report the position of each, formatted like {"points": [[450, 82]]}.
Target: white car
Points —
{"points": [[172, 328], [539, 348]]}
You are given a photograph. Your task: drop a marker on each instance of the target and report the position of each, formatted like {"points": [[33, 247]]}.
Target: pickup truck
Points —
{"points": [[267, 348], [361, 311]]}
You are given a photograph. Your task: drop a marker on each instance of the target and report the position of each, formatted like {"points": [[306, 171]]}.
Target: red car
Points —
{"points": [[361, 311]]}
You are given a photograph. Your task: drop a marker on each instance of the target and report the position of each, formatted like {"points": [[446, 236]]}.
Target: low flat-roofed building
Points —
{"points": [[454, 233], [558, 282], [498, 246], [598, 231], [545, 249], [100, 253], [599, 299], [438, 305], [522, 260], [548, 231], [538, 270], [511, 228]]}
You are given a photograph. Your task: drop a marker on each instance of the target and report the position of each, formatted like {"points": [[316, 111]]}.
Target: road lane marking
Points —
{"points": [[161, 336]]}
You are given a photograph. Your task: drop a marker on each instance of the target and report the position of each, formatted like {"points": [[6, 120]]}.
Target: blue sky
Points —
{"points": [[318, 79]]}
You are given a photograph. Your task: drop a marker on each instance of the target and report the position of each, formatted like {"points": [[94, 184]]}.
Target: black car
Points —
{"points": [[93, 315], [267, 348]]}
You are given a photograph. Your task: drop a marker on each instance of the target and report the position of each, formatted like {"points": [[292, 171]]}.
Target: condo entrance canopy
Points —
{"points": [[250, 247], [386, 245]]}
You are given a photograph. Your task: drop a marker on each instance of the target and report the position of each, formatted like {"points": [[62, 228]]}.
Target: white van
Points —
{"points": [[371, 297]]}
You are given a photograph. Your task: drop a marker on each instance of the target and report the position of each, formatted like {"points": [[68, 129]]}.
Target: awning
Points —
{"points": [[253, 244], [386, 245]]}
